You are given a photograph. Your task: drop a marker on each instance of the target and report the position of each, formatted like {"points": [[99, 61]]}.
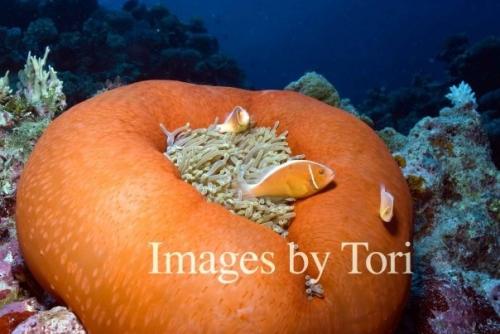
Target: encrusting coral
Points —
{"points": [[211, 161]]}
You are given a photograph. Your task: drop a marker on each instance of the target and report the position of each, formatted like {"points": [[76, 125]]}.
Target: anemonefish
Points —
{"points": [[237, 121], [386, 210], [292, 179]]}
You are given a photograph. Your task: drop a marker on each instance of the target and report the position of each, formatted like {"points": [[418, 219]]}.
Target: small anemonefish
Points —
{"points": [[237, 121], [386, 210], [295, 178]]}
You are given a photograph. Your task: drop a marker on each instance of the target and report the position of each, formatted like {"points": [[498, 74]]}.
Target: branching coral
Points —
{"points": [[211, 162], [41, 88], [461, 95]]}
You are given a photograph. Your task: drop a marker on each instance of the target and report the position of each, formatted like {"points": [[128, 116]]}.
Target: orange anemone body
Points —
{"points": [[97, 190]]}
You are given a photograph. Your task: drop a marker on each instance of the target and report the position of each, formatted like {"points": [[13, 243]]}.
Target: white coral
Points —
{"points": [[41, 88], [461, 95]]}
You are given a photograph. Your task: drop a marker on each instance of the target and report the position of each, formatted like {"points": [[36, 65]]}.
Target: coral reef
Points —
{"points": [[135, 43], [454, 183]]}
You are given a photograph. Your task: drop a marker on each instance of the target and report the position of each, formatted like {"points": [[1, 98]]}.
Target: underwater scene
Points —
{"points": [[249, 167]]}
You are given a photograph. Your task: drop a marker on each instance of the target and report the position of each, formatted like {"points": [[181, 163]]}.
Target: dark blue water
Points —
{"points": [[357, 44]]}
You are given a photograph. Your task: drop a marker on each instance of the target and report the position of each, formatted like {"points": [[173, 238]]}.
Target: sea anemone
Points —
{"points": [[97, 191]]}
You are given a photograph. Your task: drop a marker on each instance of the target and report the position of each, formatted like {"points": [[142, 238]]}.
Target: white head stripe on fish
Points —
{"points": [[312, 177]]}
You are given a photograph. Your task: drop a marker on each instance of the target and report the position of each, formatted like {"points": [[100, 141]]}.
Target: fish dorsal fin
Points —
{"points": [[265, 172], [268, 171]]}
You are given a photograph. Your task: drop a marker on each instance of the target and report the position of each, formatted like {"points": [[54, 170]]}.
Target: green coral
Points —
{"points": [[316, 86]]}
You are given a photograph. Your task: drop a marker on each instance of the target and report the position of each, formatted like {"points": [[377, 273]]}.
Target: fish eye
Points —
{"points": [[321, 171]]}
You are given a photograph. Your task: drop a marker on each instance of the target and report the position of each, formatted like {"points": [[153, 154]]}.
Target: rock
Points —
{"points": [[58, 320], [14, 313], [456, 189]]}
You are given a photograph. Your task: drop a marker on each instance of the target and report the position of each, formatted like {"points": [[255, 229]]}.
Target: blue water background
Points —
{"points": [[357, 44]]}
